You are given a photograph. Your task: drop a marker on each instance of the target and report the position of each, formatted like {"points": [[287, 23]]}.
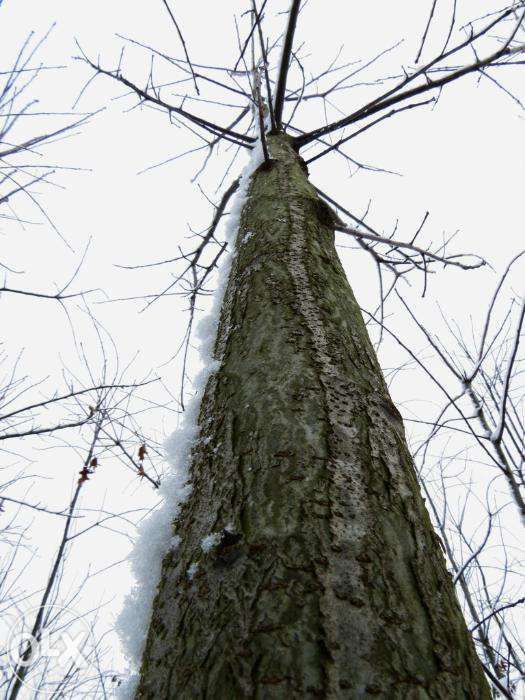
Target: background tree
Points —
{"points": [[61, 427]]}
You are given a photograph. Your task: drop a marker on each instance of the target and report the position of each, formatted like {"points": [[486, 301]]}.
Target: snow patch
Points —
{"points": [[155, 537], [247, 237], [192, 570], [210, 541]]}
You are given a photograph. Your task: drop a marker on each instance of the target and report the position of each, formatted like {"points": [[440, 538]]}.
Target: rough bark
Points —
{"points": [[328, 579]]}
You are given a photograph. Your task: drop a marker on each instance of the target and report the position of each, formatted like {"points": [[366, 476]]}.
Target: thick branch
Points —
{"points": [[393, 96], [285, 63], [215, 129]]}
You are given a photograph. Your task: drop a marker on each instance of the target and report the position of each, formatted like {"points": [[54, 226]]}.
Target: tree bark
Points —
{"points": [[327, 579]]}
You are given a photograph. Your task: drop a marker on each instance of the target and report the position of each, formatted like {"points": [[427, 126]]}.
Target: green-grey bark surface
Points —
{"points": [[328, 580]]}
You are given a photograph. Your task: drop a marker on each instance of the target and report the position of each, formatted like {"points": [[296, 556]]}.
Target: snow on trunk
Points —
{"points": [[155, 537]]}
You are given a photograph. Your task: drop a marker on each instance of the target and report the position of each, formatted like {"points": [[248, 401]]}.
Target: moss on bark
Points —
{"points": [[327, 580]]}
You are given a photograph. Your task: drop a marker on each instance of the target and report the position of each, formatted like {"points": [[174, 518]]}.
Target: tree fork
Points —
{"points": [[326, 578]]}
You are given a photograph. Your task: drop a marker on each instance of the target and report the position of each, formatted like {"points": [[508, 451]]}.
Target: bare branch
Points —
{"points": [[425, 33], [280, 90], [396, 94], [215, 129], [176, 25]]}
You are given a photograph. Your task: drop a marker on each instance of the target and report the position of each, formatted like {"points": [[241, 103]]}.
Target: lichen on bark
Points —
{"points": [[326, 578]]}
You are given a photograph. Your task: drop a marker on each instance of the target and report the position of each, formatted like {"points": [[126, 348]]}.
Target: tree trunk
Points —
{"points": [[326, 578]]}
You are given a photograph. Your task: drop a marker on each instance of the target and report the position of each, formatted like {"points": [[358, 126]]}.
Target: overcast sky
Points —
{"points": [[463, 161]]}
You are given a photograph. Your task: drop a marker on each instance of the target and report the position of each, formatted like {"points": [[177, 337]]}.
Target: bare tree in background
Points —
{"points": [[89, 416], [485, 419], [327, 577]]}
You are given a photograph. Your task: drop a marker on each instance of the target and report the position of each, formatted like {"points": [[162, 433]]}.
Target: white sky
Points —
{"points": [[463, 162]]}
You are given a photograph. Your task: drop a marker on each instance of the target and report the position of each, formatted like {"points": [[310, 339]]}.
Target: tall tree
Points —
{"points": [[327, 578], [307, 563]]}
